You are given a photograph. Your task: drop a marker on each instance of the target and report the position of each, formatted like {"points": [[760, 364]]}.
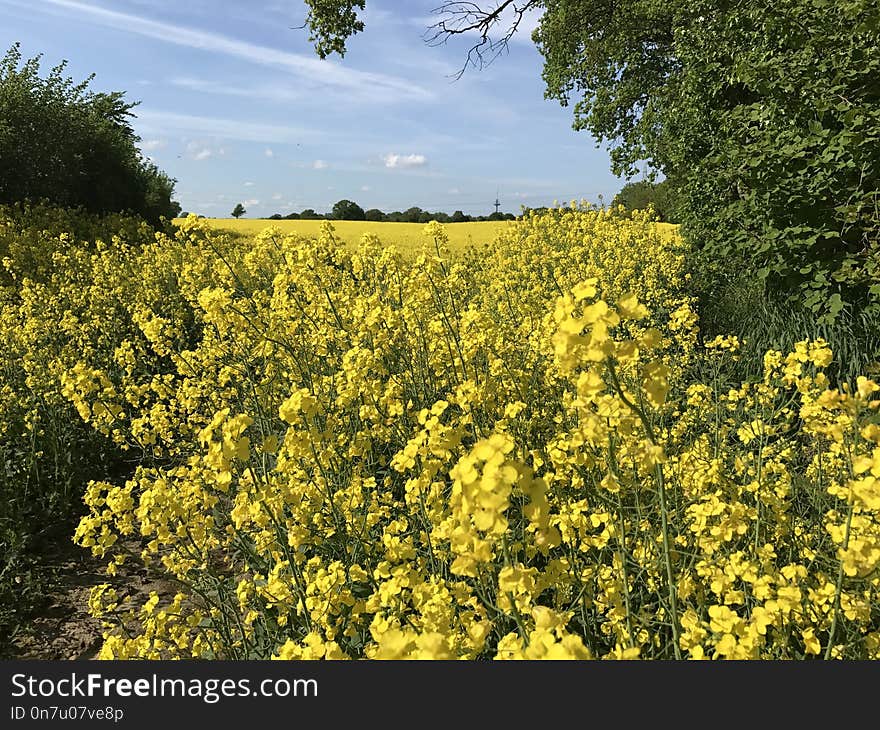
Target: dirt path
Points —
{"points": [[62, 628]]}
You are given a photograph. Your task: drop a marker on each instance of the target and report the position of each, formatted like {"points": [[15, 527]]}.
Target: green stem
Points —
{"points": [[664, 514]]}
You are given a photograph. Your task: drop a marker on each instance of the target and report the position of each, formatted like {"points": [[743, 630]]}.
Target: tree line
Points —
{"points": [[348, 210]]}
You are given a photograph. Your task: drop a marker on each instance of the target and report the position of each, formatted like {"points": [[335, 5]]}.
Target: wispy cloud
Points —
{"points": [[319, 165], [249, 184], [246, 131], [401, 161], [270, 92], [151, 145], [308, 69], [269, 152]]}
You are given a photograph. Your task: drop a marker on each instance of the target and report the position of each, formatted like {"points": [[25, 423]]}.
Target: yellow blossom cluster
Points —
{"points": [[517, 452]]}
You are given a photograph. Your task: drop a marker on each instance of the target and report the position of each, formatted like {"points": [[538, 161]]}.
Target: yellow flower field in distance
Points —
{"points": [[403, 236]]}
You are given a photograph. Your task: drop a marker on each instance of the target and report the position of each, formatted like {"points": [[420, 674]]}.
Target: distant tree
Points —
{"points": [[72, 147], [459, 217], [292, 217], [413, 215], [184, 214], [347, 210], [496, 216], [642, 193], [395, 217], [310, 215], [509, 217], [375, 215], [275, 217], [238, 211]]}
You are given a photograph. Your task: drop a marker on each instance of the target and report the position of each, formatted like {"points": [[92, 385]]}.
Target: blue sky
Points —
{"points": [[236, 106]]}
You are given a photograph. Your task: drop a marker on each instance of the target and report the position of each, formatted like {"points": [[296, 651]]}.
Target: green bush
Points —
{"points": [[61, 143]]}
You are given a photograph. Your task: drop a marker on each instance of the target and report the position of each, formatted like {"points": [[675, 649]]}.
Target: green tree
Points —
{"points": [[347, 210], [413, 215], [766, 115], [238, 211], [459, 217], [72, 147], [640, 194], [375, 215]]}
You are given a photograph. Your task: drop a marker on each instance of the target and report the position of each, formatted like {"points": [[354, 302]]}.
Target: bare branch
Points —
{"points": [[461, 18]]}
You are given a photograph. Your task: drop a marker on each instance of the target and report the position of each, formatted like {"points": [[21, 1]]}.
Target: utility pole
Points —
{"points": [[497, 202]]}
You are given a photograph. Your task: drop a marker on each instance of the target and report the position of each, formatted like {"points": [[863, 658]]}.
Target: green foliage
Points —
{"points": [[612, 60], [238, 211], [347, 210], [73, 147], [331, 22], [643, 193], [777, 139], [739, 305], [413, 215]]}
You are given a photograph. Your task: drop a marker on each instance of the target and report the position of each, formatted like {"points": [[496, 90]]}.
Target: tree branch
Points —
{"points": [[463, 18]]}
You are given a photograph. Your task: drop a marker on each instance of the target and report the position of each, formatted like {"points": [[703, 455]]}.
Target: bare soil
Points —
{"points": [[62, 628]]}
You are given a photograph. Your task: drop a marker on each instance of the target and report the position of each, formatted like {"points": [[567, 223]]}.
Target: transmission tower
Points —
{"points": [[497, 201]]}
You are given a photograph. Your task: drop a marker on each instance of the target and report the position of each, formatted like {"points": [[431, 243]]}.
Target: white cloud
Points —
{"points": [[365, 188], [401, 161], [199, 151], [151, 145], [277, 196], [319, 165], [251, 202], [249, 184], [269, 152], [307, 68], [454, 191]]}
